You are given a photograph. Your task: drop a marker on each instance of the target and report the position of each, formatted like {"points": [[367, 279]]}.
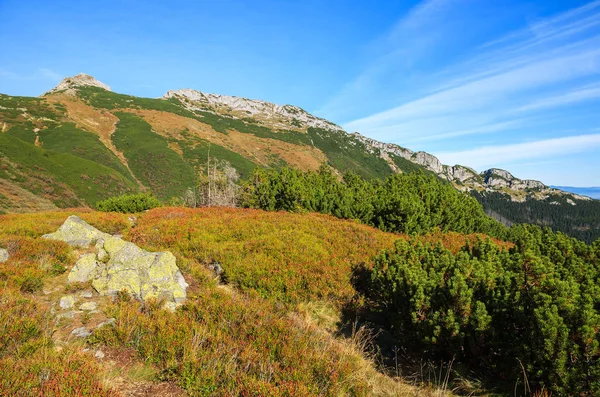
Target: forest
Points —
{"points": [[577, 218]]}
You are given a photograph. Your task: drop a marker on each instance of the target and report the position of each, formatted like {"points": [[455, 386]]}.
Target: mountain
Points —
{"points": [[80, 143]]}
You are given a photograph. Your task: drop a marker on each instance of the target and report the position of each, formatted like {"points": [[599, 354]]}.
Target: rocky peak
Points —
{"points": [[279, 116], [501, 178], [70, 84]]}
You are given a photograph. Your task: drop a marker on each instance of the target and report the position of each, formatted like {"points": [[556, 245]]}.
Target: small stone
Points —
{"points": [[81, 332], [67, 302], [3, 255], [107, 322], [99, 354], [86, 294], [70, 314], [88, 306], [102, 255]]}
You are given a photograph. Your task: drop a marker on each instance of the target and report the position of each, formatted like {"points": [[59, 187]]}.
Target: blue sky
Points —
{"points": [[504, 83]]}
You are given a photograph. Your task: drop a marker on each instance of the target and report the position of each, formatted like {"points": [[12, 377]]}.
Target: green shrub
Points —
{"points": [[129, 203], [402, 203], [536, 305]]}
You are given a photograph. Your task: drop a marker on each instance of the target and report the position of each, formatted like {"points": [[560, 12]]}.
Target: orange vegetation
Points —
{"points": [[256, 149]]}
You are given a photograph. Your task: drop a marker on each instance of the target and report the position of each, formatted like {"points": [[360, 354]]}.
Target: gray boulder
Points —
{"points": [[76, 232], [119, 265], [3, 255]]}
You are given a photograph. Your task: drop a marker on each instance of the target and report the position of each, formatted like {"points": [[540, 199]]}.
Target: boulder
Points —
{"points": [[85, 269], [119, 265], [3, 255], [76, 232]]}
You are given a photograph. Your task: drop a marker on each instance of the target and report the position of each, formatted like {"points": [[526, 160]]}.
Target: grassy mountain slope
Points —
{"points": [[162, 145], [257, 335]]}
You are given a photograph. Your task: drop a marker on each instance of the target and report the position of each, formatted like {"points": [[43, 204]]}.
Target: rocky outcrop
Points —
{"points": [[496, 177], [282, 116], [3, 255], [118, 265], [465, 178], [70, 84]]}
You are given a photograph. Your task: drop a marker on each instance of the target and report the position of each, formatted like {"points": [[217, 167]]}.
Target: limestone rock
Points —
{"points": [[81, 332], [3, 255], [86, 294], [110, 321], [85, 269], [264, 112], [81, 80], [76, 233], [99, 354], [67, 302], [88, 306], [123, 265]]}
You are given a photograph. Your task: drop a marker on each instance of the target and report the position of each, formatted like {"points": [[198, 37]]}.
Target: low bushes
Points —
{"points": [[129, 203], [535, 305]]}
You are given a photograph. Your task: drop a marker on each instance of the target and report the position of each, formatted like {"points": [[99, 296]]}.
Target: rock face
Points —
{"points": [[501, 178], [3, 255], [81, 80], [119, 265], [465, 178], [267, 112]]}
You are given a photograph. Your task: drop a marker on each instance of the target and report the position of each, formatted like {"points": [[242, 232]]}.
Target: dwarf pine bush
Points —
{"points": [[128, 203], [536, 304]]}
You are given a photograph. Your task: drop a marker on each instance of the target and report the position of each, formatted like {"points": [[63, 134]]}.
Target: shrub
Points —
{"points": [[403, 203], [535, 304], [129, 203]]}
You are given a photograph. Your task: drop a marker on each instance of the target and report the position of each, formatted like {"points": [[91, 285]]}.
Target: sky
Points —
{"points": [[484, 83]]}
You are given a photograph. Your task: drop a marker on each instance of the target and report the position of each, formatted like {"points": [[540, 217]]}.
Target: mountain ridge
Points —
{"points": [[293, 117], [81, 143]]}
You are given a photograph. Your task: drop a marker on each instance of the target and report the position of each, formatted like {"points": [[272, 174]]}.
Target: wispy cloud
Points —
{"points": [[490, 156], [504, 84], [395, 53], [577, 95]]}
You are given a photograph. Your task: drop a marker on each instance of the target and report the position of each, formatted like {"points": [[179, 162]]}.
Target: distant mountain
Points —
{"points": [[593, 192], [80, 143]]}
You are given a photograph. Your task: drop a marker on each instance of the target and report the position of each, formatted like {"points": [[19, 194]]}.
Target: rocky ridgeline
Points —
{"points": [[117, 265], [281, 116], [465, 178], [288, 117]]}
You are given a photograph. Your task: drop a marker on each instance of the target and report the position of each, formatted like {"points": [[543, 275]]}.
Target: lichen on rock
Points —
{"points": [[119, 265]]}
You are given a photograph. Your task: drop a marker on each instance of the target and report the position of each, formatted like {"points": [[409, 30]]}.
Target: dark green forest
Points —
{"points": [[581, 220]]}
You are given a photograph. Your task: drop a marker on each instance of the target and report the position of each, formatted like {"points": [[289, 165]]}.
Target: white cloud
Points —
{"points": [[489, 156], [414, 35], [580, 94], [504, 83]]}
